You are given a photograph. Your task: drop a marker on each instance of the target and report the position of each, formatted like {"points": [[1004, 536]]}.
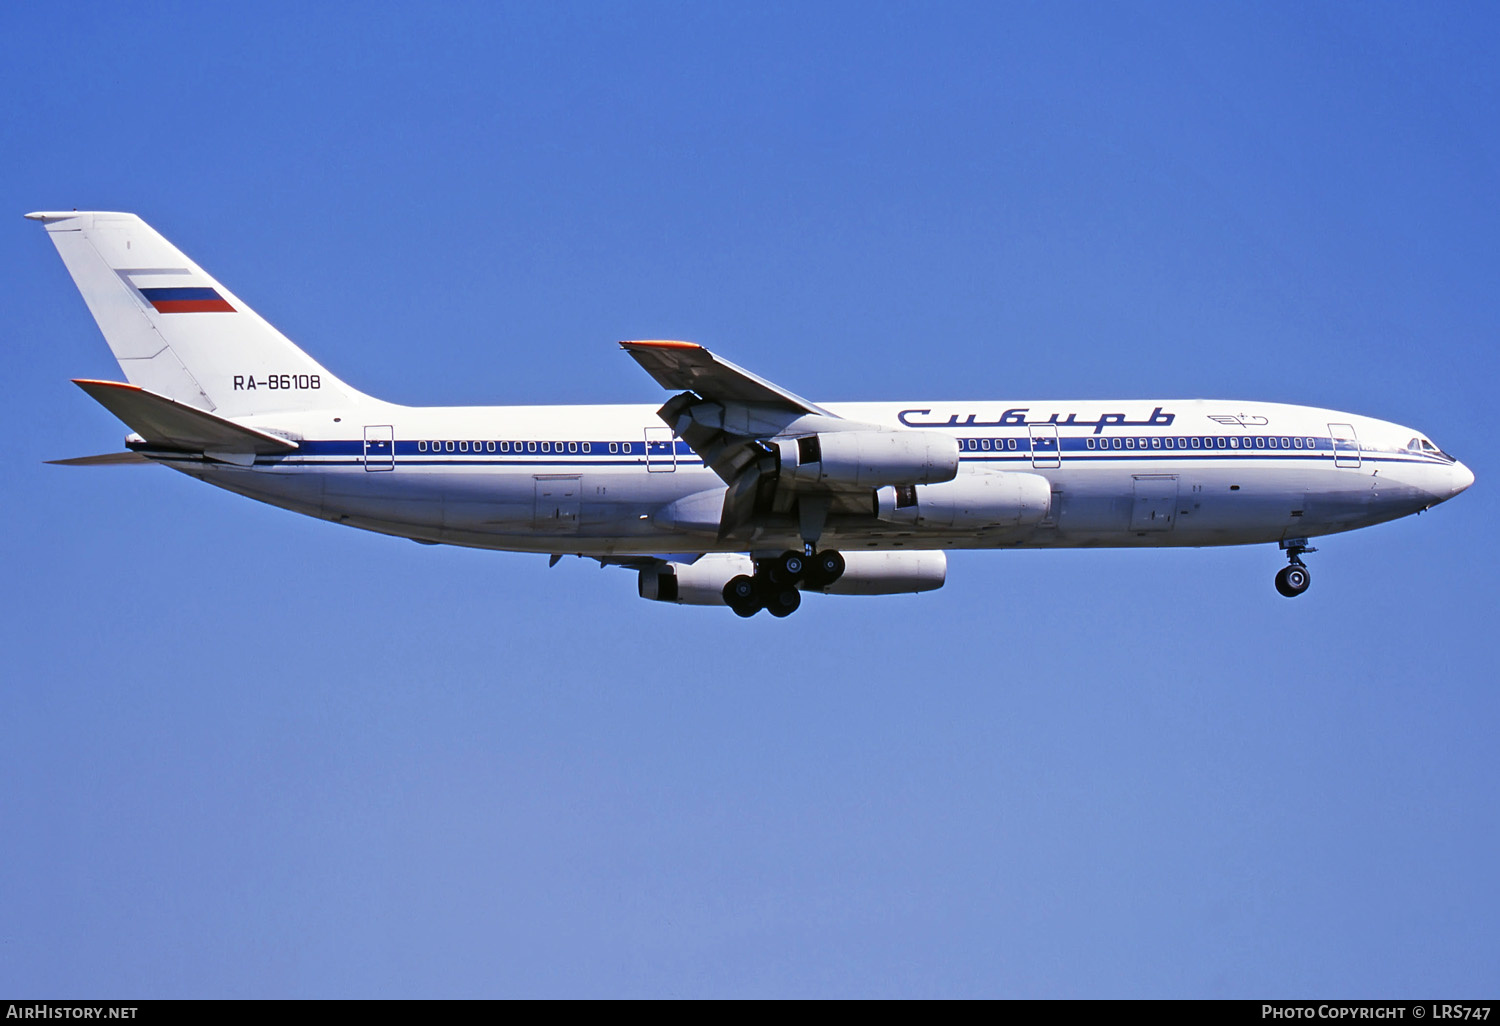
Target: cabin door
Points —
{"points": [[1345, 445], [380, 447], [1155, 505], [661, 450], [557, 499], [1046, 449]]}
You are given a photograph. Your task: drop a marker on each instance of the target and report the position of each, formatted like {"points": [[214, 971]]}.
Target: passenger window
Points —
{"points": [[1195, 441], [421, 447], [984, 443], [572, 446], [585, 446], [1156, 443], [1011, 444], [1297, 442], [1130, 443], [449, 446], [531, 447], [614, 446], [1088, 443], [1234, 443]]}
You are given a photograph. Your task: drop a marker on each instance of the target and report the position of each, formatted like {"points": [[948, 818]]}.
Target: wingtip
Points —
{"points": [[658, 343], [84, 384]]}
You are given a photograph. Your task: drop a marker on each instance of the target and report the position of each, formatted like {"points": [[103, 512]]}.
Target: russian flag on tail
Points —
{"points": [[187, 300]]}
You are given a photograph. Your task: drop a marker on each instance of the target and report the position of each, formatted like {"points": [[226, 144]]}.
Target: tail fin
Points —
{"points": [[178, 332]]}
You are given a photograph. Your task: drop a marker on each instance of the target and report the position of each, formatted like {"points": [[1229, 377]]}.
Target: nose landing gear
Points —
{"points": [[1294, 578]]}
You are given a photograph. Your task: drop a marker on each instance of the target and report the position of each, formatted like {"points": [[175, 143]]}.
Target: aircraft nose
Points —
{"points": [[1462, 478]]}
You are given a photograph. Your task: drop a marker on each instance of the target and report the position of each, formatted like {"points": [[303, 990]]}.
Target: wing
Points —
{"points": [[687, 365], [728, 416], [770, 446]]}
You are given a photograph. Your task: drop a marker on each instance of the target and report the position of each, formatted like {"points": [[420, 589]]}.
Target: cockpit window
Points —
{"points": [[1423, 445]]}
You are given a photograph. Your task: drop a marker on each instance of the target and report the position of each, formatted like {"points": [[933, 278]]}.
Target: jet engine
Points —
{"points": [[865, 573], [868, 459], [978, 499], [891, 573], [695, 584]]}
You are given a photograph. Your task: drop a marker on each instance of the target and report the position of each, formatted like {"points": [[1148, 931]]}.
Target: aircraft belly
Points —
{"points": [[300, 493], [392, 498], [1090, 503], [486, 501]]}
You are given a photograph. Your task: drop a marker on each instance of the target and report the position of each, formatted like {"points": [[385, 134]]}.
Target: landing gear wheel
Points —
{"points": [[740, 595], [825, 568], [783, 600], [1293, 580], [788, 568]]}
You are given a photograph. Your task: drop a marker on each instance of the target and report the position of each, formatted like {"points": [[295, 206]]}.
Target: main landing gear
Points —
{"points": [[775, 585], [1292, 580]]}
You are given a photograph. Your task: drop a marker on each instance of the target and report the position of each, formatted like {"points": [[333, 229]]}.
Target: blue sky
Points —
{"points": [[252, 754]]}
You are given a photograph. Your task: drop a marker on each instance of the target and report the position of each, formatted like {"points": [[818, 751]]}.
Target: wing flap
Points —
{"points": [[168, 424]]}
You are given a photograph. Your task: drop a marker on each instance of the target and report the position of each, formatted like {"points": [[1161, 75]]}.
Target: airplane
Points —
{"points": [[736, 491]]}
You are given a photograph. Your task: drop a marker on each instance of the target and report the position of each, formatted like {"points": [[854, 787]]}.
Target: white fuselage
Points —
{"points": [[598, 480]]}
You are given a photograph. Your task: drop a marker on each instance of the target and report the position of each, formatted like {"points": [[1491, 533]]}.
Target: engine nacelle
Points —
{"points": [[865, 573], [868, 459], [891, 573], [695, 584], [979, 499]]}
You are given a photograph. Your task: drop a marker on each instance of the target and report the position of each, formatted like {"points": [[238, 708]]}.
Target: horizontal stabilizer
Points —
{"points": [[109, 459], [169, 424]]}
